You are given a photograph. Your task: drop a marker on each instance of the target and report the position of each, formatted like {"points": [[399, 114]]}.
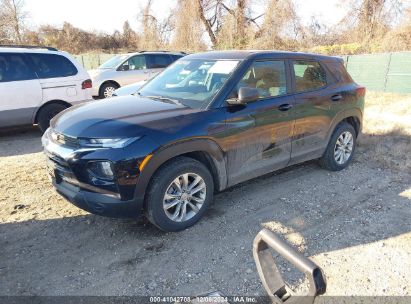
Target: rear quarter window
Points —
{"points": [[52, 66], [339, 71], [309, 75]]}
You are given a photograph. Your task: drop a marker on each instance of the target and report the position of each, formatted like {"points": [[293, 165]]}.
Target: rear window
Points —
{"points": [[52, 66], [13, 67], [309, 75]]}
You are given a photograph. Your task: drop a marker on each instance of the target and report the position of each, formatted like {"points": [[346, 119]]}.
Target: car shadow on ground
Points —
{"points": [[316, 210]]}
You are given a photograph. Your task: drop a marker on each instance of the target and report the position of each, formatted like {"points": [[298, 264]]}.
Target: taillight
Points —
{"points": [[360, 91], [87, 84]]}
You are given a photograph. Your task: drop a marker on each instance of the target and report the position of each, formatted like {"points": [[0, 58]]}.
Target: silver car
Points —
{"points": [[125, 69]]}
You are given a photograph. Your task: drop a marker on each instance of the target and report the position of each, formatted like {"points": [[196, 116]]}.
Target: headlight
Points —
{"points": [[101, 169], [106, 142]]}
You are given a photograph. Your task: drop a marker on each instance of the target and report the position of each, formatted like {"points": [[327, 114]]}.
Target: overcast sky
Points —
{"points": [[107, 16]]}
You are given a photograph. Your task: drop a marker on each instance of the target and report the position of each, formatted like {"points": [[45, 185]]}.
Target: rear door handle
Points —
{"points": [[336, 97], [285, 107]]}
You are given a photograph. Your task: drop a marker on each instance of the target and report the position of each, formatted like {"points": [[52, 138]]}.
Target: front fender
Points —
{"points": [[165, 153]]}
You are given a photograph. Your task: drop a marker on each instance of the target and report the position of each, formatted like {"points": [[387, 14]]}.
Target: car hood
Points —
{"points": [[129, 89], [96, 72], [119, 117]]}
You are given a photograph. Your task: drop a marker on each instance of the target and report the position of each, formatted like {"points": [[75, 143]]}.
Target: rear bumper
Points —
{"points": [[97, 203]]}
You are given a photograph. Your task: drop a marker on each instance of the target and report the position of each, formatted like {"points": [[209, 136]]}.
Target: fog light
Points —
{"points": [[102, 170]]}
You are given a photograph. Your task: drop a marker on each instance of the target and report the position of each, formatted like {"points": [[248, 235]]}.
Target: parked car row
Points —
{"points": [[36, 83]]}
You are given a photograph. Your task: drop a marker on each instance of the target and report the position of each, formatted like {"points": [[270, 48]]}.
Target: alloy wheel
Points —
{"points": [[343, 147], [184, 197]]}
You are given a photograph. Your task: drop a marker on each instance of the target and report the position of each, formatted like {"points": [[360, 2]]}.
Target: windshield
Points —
{"points": [[113, 62], [193, 83]]}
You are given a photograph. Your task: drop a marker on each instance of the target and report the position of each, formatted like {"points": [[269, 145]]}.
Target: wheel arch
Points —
{"points": [[55, 101], [206, 151], [352, 116]]}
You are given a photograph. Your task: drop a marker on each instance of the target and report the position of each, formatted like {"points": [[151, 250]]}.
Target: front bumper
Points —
{"points": [[67, 168], [97, 203]]}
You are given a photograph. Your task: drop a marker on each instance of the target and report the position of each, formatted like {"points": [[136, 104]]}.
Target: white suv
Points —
{"points": [[36, 83]]}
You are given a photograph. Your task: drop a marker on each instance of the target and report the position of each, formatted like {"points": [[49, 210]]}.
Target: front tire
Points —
{"points": [[340, 149], [179, 194], [107, 90], [47, 113]]}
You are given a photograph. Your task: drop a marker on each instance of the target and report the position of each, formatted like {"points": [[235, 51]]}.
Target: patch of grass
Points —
{"points": [[386, 135]]}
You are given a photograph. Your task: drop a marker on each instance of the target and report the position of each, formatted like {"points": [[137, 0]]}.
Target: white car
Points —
{"points": [[36, 83], [126, 69]]}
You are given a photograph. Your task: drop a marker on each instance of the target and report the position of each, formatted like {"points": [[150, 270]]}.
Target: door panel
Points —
{"points": [[132, 70], [20, 90], [259, 133], [19, 101], [156, 63], [129, 77], [312, 111], [258, 140]]}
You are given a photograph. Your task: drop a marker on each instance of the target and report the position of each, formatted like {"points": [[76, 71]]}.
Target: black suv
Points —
{"points": [[209, 121]]}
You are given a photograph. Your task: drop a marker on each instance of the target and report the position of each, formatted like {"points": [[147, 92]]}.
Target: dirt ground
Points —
{"points": [[355, 224]]}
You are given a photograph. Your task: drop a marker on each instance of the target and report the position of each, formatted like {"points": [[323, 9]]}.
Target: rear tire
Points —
{"points": [[47, 113], [340, 149], [179, 194], [107, 90]]}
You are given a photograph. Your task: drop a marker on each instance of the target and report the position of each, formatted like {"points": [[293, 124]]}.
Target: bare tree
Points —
{"points": [[370, 19], [12, 18], [150, 38], [129, 39], [188, 32], [281, 28], [202, 8], [227, 23]]}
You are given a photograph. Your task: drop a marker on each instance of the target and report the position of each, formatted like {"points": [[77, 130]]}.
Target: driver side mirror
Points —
{"points": [[245, 95]]}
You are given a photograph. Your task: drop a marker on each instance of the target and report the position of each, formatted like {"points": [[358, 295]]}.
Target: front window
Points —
{"points": [[268, 77], [113, 62], [193, 83], [134, 63]]}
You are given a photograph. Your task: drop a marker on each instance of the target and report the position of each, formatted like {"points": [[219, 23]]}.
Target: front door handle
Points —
{"points": [[336, 97], [285, 107]]}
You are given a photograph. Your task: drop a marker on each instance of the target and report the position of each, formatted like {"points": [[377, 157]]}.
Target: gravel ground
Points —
{"points": [[355, 224]]}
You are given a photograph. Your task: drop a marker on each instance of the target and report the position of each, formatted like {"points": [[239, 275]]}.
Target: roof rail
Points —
{"points": [[162, 51], [29, 47]]}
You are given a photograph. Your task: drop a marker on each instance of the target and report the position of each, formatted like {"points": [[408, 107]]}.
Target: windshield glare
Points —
{"points": [[113, 62], [194, 82]]}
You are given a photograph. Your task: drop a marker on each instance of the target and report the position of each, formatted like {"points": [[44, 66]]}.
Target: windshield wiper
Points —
{"points": [[175, 101]]}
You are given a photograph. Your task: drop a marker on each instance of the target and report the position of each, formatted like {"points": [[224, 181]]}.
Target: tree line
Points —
{"points": [[196, 25]]}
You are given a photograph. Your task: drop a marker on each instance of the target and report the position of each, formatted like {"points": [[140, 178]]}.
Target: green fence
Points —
{"points": [[385, 72], [92, 61]]}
